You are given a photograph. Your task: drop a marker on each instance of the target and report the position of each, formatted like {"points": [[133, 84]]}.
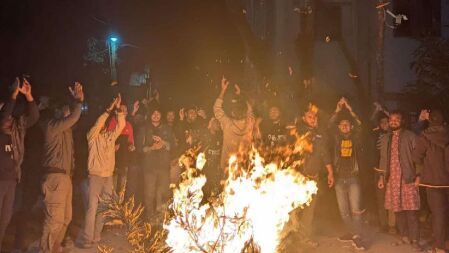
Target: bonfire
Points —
{"points": [[249, 214]]}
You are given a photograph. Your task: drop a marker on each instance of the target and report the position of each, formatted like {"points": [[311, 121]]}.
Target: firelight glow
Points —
{"points": [[254, 206]]}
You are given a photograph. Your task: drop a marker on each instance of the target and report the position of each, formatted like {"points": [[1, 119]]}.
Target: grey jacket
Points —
{"points": [[406, 145], [58, 142]]}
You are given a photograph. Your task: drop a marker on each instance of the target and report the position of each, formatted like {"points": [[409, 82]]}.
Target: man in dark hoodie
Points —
{"points": [[431, 156], [58, 163], [12, 136]]}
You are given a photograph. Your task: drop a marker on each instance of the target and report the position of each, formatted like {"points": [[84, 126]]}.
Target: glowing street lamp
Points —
{"points": [[113, 46]]}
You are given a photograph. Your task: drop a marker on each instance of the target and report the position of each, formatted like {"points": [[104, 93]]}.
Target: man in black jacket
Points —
{"points": [[12, 135], [155, 147], [431, 155], [315, 162]]}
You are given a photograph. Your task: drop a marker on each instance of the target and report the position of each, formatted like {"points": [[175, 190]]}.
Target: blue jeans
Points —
{"points": [[349, 202]]}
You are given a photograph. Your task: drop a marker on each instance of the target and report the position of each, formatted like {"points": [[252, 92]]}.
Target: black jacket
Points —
{"points": [[429, 154], [316, 161]]}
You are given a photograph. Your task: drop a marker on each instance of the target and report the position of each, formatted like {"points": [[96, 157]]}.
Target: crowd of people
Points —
{"points": [[138, 151]]}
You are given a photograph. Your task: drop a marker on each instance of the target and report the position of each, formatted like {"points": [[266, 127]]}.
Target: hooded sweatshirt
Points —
{"points": [[429, 154], [236, 133]]}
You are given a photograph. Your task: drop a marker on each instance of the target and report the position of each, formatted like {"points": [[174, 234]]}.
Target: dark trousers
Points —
{"points": [[382, 213], [408, 224], [134, 183], [214, 174], [7, 193], [156, 175], [438, 200]]}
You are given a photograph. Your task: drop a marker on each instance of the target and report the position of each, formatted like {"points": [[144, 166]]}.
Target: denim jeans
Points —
{"points": [[349, 202]]}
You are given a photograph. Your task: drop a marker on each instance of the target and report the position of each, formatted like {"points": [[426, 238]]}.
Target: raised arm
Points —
{"points": [[219, 113], [377, 109], [8, 108], [353, 114], [333, 118], [121, 122], [68, 122], [32, 115], [100, 123]]}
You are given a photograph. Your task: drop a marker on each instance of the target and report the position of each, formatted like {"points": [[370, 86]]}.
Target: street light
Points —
{"points": [[113, 46]]}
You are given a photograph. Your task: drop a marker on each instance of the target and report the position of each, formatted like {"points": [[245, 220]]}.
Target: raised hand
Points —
{"points": [[340, 104], [377, 106], [26, 90], [113, 104], [77, 92], [15, 88], [224, 83], [136, 107], [348, 106], [424, 115], [119, 101], [181, 114], [237, 89]]}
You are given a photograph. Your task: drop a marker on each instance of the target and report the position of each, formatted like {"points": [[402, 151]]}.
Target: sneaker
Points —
{"points": [[358, 243], [346, 238], [416, 246], [67, 243], [85, 245]]}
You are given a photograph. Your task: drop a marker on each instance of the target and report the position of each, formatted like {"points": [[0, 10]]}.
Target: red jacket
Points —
{"points": [[128, 130]]}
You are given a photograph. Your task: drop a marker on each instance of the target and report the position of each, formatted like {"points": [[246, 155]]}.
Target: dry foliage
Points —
{"points": [[139, 234]]}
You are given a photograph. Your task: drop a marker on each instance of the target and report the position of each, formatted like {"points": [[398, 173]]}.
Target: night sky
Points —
{"points": [[180, 40]]}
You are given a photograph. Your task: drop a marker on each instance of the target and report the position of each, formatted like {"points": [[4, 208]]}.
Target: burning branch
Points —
{"points": [[238, 219]]}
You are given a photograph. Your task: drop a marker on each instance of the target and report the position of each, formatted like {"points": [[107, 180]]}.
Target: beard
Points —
{"points": [[394, 128]]}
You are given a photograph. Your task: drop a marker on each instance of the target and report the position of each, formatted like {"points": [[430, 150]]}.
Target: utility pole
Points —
{"points": [[112, 47], [380, 48]]}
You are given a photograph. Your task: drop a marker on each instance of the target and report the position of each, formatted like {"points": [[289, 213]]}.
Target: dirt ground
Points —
{"points": [[379, 243]]}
